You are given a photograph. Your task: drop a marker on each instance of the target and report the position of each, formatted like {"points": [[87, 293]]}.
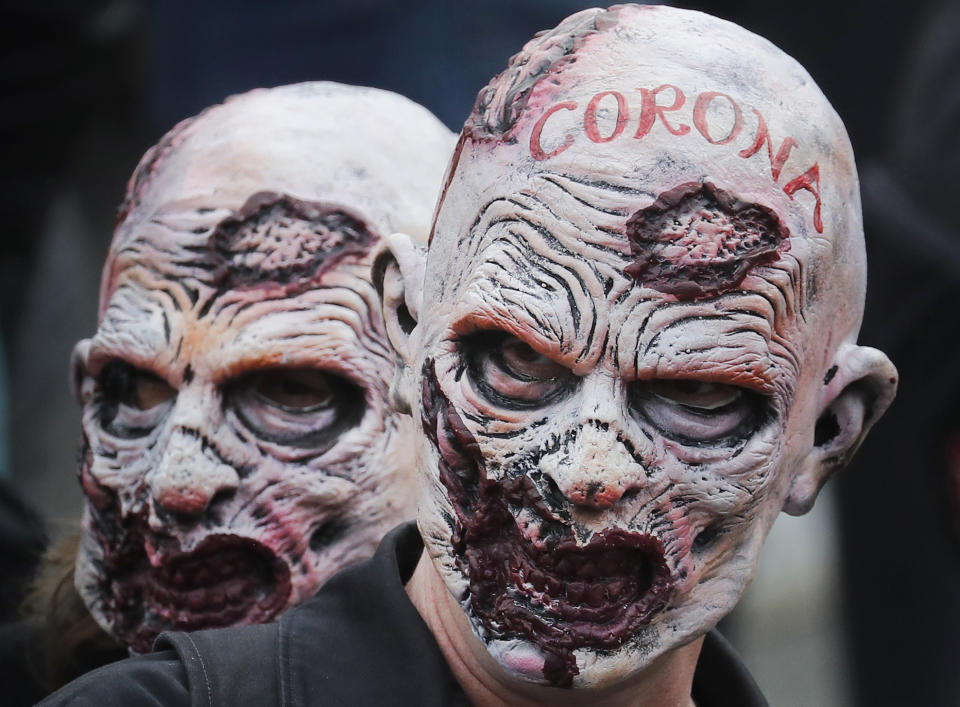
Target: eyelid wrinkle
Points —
{"points": [[540, 341], [101, 357], [690, 424], [721, 372]]}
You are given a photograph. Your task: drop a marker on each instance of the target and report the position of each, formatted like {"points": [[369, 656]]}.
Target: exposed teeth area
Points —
{"points": [[592, 583], [211, 569], [216, 587], [226, 580], [580, 584]]}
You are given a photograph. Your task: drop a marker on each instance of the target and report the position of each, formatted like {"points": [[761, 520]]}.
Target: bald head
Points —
{"points": [[371, 156], [645, 278], [636, 104]]}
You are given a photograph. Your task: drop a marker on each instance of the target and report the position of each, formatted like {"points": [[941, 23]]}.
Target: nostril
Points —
{"points": [[222, 496], [167, 518], [191, 501], [181, 501], [189, 511], [631, 493]]}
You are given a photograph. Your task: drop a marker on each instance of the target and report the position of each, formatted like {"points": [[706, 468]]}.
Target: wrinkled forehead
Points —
{"points": [[274, 246], [629, 107]]}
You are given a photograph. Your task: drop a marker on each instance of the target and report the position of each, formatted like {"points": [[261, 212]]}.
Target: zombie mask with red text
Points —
{"points": [[237, 444], [636, 339]]}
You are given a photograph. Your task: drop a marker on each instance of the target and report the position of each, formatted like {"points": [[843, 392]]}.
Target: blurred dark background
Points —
{"points": [[89, 85]]}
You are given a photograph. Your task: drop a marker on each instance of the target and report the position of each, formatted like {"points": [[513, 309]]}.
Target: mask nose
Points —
{"points": [[593, 470], [189, 476]]}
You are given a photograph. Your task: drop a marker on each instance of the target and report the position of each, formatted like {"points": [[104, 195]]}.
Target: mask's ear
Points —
{"points": [[80, 381], [857, 390], [397, 272]]}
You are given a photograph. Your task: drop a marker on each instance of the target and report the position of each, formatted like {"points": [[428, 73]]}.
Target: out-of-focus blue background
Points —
{"points": [[858, 603]]}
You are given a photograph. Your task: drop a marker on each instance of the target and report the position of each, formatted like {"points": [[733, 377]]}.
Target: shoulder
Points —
{"points": [[361, 641], [154, 679], [229, 666]]}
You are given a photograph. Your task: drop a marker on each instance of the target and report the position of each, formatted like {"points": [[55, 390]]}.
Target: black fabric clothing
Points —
{"points": [[22, 542], [21, 688], [358, 642], [23, 663]]}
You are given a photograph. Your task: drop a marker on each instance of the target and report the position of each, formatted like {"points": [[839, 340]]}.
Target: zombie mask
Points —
{"points": [[237, 446], [645, 282]]}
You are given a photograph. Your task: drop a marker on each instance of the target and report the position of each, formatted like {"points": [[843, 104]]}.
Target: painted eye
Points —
{"points": [[698, 412], [131, 402], [302, 408], [511, 374]]}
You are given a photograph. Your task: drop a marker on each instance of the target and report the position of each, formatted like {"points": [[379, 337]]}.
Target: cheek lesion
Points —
{"points": [[721, 506]]}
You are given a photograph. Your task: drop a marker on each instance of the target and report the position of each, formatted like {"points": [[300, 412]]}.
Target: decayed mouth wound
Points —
{"points": [[227, 580], [559, 596]]}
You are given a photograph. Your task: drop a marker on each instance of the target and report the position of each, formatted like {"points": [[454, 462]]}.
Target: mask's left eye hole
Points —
{"points": [[698, 412], [131, 402]]}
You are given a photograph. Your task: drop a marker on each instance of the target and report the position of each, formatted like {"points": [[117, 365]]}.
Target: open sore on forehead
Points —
{"points": [[274, 242]]}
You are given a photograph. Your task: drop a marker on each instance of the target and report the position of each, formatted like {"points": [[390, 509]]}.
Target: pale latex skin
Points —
{"points": [[214, 464], [531, 239]]}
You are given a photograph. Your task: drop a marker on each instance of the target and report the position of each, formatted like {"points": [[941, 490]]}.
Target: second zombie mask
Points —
{"points": [[237, 444]]}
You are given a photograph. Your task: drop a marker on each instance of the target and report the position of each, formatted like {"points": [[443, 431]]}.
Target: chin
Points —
{"points": [[596, 669]]}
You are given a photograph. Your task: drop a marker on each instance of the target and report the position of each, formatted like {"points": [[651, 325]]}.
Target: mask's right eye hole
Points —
{"points": [[511, 374], [131, 402], [297, 407]]}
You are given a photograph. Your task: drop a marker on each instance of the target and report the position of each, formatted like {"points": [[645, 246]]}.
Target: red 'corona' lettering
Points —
{"points": [[763, 136], [649, 110], [809, 181], [590, 117], [536, 150], [700, 117]]}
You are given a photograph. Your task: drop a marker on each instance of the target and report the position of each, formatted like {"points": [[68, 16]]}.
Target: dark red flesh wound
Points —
{"points": [[560, 597], [279, 240], [227, 580], [698, 241]]}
